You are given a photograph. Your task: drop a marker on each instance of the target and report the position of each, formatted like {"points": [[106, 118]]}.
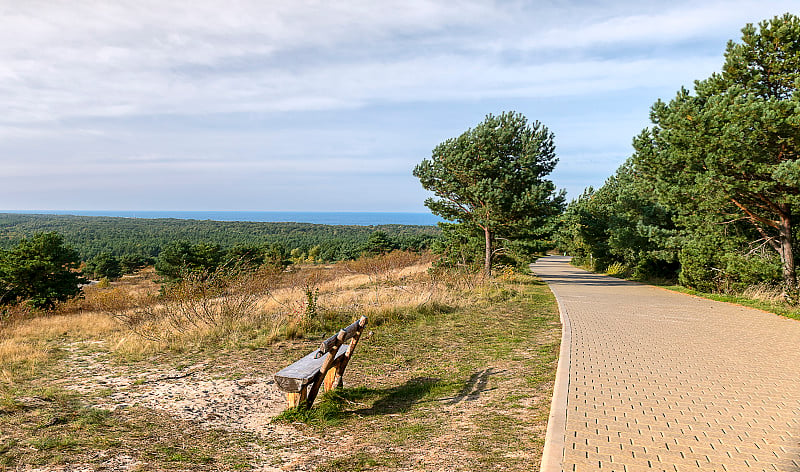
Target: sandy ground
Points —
{"points": [[196, 393]]}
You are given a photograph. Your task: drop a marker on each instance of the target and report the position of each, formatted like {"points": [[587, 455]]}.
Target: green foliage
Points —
{"points": [[617, 270], [138, 242], [105, 265], [718, 261], [41, 270], [621, 223], [460, 246], [379, 243], [731, 148], [493, 177], [181, 257], [254, 256], [711, 192], [312, 306], [129, 263]]}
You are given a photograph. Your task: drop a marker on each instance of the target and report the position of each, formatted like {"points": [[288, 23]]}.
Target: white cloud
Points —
{"points": [[108, 93], [60, 60]]}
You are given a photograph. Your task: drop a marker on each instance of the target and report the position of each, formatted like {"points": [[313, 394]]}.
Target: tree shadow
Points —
{"points": [[402, 398], [586, 279], [474, 387]]}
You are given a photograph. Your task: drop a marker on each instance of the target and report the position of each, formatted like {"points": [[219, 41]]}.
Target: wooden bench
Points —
{"points": [[325, 366]]}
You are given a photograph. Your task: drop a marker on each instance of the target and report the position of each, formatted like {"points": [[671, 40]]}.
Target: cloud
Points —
{"points": [[674, 23], [155, 96], [110, 59]]}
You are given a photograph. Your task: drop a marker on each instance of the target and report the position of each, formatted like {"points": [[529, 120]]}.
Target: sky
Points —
{"points": [[325, 106]]}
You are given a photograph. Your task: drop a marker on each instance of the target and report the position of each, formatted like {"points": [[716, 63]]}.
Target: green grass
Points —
{"points": [[356, 462], [431, 383], [779, 308], [485, 371]]}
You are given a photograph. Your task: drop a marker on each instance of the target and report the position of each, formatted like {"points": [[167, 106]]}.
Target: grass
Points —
{"points": [[454, 366], [473, 383], [54, 426], [778, 307]]}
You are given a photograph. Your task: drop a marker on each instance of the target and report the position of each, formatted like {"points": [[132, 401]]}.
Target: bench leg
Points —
{"points": [[330, 379], [293, 400]]}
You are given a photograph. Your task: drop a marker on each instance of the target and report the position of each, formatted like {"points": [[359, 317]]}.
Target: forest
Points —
{"points": [[146, 238], [710, 195]]}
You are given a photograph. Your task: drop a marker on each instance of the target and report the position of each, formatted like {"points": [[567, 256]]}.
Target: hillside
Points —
{"points": [[91, 235]]}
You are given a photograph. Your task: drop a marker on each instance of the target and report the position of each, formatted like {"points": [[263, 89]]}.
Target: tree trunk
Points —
{"points": [[487, 266], [787, 256]]}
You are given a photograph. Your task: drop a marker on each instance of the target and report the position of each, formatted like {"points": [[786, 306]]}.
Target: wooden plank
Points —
{"points": [[296, 376], [343, 335], [342, 364]]}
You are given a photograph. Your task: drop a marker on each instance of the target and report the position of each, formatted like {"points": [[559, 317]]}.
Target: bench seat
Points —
{"points": [[298, 375]]}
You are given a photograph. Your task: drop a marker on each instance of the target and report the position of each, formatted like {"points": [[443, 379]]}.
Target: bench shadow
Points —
{"points": [[402, 398], [399, 399]]}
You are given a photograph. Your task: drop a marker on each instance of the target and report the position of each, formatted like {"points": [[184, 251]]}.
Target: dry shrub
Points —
{"points": [[230, 307], [18, 355], [383, 265], [12, 315], [128, 292], [201, 302], [234, 308], [458, 280]]}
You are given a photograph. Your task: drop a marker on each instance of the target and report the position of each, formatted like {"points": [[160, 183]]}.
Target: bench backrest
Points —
{"points": [[341, 337]]}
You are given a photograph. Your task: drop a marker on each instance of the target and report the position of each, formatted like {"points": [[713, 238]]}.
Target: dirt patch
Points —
{"points": [[195, 393]]}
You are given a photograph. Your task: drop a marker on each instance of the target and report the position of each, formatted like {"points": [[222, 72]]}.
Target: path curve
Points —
{"points": [[657, 380]]}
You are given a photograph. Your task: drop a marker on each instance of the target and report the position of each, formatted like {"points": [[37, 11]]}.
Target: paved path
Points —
{"points": [[663, 381]]}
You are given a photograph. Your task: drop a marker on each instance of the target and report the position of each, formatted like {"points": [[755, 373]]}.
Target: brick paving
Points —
{"points": [[668, 382]]}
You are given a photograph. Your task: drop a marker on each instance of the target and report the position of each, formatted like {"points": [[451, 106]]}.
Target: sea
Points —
{"points": [[366, 218]]}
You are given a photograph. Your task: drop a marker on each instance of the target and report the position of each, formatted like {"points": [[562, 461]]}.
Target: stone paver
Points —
{"points": [[669, 382]]}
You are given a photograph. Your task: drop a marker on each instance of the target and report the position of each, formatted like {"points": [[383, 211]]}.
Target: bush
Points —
{"points": [[104, 265], [41, 270], [616, 269], [181, 258], [197, 300]]}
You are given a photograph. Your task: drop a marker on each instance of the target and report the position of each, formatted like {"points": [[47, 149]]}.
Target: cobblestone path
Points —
{"points": [[668, 382]]}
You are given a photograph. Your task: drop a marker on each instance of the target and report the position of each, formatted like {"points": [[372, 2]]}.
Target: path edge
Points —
{"points": [[555, 438]]}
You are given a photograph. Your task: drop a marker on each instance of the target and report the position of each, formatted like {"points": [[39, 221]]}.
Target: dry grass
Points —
{"points": [[764, 292], [457, 365], [231, 309]]}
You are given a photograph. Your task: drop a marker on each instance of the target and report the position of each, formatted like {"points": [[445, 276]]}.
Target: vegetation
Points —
{"points": [[492, 177], [138, 242], [41, 270], [454, 364], [735, 141], [105, 265], [710, 195]]}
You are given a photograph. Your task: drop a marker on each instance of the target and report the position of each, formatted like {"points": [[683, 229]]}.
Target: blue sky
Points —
{"points": [[324, 106]]}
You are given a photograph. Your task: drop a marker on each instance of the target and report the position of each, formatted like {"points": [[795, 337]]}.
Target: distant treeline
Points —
{"points": [[92, 236]]}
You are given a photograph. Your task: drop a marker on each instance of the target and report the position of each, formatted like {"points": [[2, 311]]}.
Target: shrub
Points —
{"points": [[41, 270], [104, 265], [616, 269], [198, 300]]}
